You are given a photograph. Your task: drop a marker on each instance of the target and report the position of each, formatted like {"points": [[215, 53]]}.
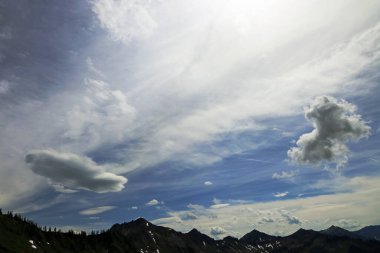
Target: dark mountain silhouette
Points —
{"points": [[18, 235], [370, 232], [255, 237], [337, 231]]}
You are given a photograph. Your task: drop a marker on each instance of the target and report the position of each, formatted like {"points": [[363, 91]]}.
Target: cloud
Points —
{"points": [[125, 20], [264, 220], [208, 183], [152, 202], [291, 219], [216, 201], [191, 216], [219, 91], [335, 123], [4, 86], [96, 210], [216, 231], [284, 175], [280, 194], [63, 189], [100, 116], [134, 207], [73, 171], [348, 224], [314, 212], [221, 205]]}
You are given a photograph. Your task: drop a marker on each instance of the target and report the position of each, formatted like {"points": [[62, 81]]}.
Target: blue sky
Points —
{"points": [[220, 115]]}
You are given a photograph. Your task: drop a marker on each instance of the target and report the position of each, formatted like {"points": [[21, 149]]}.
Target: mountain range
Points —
{"points": [[18, 235]]}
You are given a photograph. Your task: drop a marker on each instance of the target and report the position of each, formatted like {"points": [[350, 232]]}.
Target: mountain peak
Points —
{"points": [[304, 232], [337, 231], [256, 236], [194, 231], [196, 235], [140, 220], [138, 223], [333, 227]]}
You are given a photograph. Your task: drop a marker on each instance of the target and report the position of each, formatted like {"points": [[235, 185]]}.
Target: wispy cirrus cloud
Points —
{"points": [[96, 210], [122, 83], [125, 20]]}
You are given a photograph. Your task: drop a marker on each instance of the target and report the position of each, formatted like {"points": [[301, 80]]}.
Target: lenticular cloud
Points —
{"points": [[73, 171], [335, 123]]}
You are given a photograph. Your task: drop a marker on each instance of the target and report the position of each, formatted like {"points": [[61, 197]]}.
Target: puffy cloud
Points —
{"points": [[153, 202], [314, 212], [217, 231], [280, 194], [290, 219], [96, 210], [74, 172], [208, 183], [335, 123], [264, 220], [134, 207], [125, 20]]}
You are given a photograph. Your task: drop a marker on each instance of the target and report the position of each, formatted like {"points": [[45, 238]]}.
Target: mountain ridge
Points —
{"points": [[141, 236]]}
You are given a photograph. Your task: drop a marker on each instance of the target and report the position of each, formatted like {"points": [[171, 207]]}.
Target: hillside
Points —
{"points": [[18, 235]]}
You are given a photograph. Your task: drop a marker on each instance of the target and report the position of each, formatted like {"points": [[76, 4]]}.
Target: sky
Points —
{"points": [[222, 115]]}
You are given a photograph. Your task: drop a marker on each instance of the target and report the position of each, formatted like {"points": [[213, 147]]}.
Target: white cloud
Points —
{"points": [[125, 20], [264, 220], [100, 116], [208, 183], [317, 212], [335, 123], [231, 105], [152, 202], [73, 171], [280, 194], [216, 201], [134, 207], [96, 210], [218, 90], [191, 216], [217, 231], [284, 175], [348, 224], [216, 206], [290, 219]]}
